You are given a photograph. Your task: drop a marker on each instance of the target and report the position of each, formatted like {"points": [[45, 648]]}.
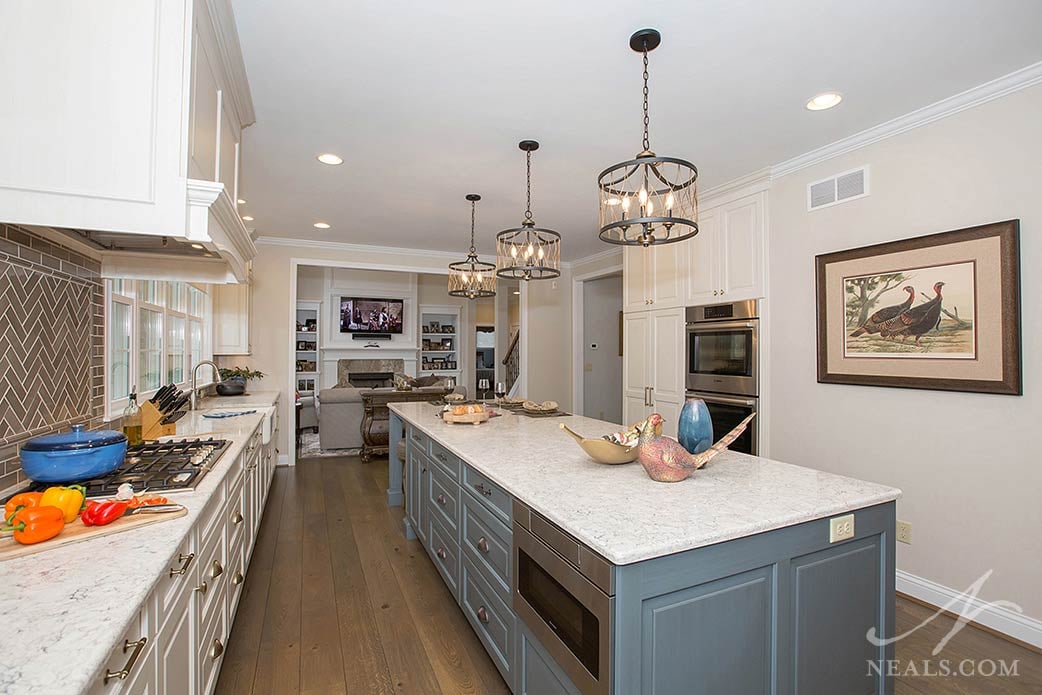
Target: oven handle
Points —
{"points": [[723, 400], [699, 326]]}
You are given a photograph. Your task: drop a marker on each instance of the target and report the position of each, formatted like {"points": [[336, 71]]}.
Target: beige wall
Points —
{"points": [[311, 284], [549, 339], [967, 463]]}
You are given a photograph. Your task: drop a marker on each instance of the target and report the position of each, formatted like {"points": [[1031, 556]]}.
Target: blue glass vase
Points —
{"points": [[695, 430]]}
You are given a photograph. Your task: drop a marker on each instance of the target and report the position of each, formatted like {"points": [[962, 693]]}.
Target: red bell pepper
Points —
{"points": [[102, 513]]}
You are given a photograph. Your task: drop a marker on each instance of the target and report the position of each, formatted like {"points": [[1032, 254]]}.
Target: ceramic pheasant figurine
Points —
{"points": [[666, 461]]}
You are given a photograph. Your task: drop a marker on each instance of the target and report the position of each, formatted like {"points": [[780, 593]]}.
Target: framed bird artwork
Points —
{"points": [[934, 312]]}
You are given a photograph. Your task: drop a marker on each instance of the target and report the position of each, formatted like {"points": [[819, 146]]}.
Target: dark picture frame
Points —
{"points": [[993, 291]]}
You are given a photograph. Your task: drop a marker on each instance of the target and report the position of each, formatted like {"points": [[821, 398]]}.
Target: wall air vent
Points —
{"points": [[840, 188]]}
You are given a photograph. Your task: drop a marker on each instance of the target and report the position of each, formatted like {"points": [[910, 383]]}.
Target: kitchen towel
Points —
{"points": [[224, 415]]}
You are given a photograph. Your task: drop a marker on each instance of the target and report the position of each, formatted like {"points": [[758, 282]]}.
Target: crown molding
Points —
{"points": [[600, 255], [1007, 84], [755, 182], [229, 49]]}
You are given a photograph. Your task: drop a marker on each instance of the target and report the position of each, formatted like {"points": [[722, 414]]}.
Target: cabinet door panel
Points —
{"points": [[634, 279], [633, 410], [231, 319], [228, 171], [666, 279], [742, 253], [635, 355], [703, 276], [666, 360], [174, 649], [204, 115]]}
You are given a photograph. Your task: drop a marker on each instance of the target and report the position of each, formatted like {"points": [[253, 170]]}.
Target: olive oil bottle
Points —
{"points": [[132, 420]]}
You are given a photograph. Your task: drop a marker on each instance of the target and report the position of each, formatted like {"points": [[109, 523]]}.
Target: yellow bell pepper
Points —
{"points": [[69, 499]]}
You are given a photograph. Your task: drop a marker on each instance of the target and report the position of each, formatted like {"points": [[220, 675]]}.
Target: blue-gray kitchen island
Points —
{"points": [[753, 576]]}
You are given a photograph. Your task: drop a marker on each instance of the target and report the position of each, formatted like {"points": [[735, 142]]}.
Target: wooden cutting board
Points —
{"points": [[76, 532]]}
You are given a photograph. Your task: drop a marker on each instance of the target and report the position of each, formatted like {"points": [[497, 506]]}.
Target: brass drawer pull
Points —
{"points": [[483, 545], [237, 517], [185, 561], [202, 588], [216, 569], [216, 650], [441, 458], [138, 647], [441, 500], [440, 552], [483, 615], [480, 487], [237, 578]]}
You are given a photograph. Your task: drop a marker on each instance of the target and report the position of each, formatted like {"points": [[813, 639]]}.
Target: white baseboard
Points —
{"points": [[283, 460], [999, 618]]}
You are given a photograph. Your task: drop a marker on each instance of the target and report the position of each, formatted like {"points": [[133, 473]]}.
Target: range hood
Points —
{"points": [[216, 247]]}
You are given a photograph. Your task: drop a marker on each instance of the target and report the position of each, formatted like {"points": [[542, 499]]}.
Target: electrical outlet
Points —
{"points": [[841, 528], [904, 531]]}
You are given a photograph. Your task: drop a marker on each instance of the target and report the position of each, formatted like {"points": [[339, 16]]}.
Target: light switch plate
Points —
{"points": [[841, 528]]}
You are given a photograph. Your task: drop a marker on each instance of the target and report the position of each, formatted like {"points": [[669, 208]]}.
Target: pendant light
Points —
{"points": [[649, 199], [528, 252], [472, 278]]}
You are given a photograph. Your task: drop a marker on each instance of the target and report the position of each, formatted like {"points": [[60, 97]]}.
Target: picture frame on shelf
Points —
{"points": [[938, 312], [433, 326], [302, 345]]}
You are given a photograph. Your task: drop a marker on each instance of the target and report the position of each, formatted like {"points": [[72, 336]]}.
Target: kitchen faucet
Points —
{"points": [[195, 372]]}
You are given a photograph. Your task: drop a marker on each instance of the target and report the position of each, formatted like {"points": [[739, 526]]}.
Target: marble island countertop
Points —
{"points": [[248, 400], [63, 609], [621, 513]]}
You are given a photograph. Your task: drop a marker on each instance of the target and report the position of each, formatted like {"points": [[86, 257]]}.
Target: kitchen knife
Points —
{"points": [[154, 509], [179, 403], [173, 417], [160, 394], [164, 405]]}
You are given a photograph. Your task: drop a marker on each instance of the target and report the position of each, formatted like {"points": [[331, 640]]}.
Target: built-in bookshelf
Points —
{"points": [[439, 341], [308, 324]]}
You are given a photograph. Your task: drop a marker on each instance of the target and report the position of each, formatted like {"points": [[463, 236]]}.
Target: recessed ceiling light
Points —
{"points": [[824, 101], [330, 159], [240, 201], [197, 246], [321, 225], [208, 254], [247, 218]]}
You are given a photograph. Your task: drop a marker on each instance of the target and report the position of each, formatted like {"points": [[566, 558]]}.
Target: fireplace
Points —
{"points": [[370, 380]]}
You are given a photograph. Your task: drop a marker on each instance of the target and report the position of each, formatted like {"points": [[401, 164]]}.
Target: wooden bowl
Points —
{"points": [[603, 451]]}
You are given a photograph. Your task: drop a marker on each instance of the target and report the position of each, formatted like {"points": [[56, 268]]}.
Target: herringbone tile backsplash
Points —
{"points": [[51, 342]]}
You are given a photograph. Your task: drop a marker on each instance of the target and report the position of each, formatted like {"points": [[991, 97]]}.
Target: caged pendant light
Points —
{"points": [[528, 252], [649, 199], [472, 278]]}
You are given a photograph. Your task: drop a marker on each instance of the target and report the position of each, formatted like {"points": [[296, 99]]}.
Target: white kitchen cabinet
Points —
{"points": [[725, 260], [231, 319], [653, 277], [653, 369], [131, 126], [174, 647]]}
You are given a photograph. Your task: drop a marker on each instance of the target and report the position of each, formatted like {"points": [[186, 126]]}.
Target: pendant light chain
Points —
{"points": [[473, 217], [528, 181], [647, 120]]}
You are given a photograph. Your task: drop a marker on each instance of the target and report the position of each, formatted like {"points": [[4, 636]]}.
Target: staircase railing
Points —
{"points": [[512, 361]]}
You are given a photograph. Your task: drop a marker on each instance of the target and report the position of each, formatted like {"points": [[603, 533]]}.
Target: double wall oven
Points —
{"points": [[722, 358], [565, 594]]}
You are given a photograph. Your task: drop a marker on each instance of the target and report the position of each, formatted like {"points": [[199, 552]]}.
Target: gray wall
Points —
{"points": [[602, 375]]}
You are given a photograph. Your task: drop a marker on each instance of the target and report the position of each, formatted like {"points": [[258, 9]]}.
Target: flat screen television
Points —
{"points": [[369, 315]]}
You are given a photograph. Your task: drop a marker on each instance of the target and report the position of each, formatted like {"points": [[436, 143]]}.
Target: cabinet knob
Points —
{"points": [[716, 292], [216, 650], [483, 545], [216, 569], [440, 552], [237, 517], [482, 614], [441, 500], [202, 588], [237, 579]]}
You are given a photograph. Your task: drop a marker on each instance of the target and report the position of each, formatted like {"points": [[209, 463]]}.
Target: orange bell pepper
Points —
{"points": [[21, 501], [36, 524], [69, 499]]}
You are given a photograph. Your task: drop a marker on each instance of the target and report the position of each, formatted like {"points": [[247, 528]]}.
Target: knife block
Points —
{"points": [[150, 423]]}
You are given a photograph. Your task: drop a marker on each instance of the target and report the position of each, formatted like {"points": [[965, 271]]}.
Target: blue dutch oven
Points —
{"points": [[76, 455]]}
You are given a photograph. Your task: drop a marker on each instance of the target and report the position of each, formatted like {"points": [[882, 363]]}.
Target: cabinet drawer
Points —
{"points": [[211, 521], [448, 461], [445, 554], [491, 495], [486, 542], [212, 577], [444, 499], [418, 439], [235, 516], [130, 655], [493, 622], [180, 575], [236, 571], [210, 652]]}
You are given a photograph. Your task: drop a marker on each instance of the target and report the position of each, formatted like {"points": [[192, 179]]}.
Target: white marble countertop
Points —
{"points": [[250, 399], [64, 609], [621, 513]]}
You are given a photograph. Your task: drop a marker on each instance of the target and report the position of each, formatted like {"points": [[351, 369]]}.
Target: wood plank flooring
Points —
{"points": [[337, 602]]}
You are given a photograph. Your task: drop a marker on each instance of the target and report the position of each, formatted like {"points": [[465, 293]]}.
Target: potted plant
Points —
{"points": [[233, 380]]}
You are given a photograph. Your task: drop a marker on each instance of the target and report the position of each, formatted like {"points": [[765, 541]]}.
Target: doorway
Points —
{"points": [[598, 388]]}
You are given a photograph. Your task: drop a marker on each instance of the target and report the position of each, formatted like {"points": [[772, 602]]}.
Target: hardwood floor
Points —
{"points": [[337, 602]]}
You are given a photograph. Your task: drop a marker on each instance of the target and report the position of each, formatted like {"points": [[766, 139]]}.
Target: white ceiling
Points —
{"points": [[426, 101]]}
